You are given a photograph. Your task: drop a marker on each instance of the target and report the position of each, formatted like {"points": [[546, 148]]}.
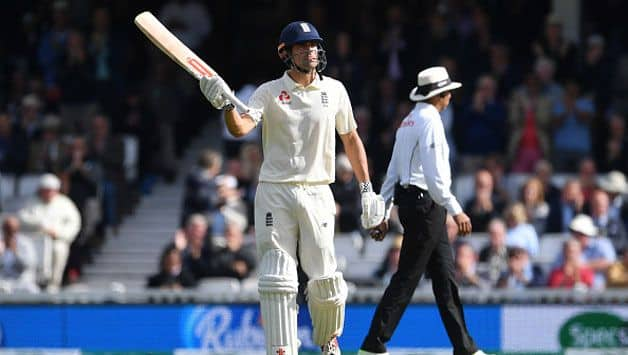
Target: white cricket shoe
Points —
{"points": [[364, 352], [331, 348], [479, 352]]}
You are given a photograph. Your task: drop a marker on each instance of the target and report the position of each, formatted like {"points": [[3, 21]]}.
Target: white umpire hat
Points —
{"points": [[431, 82]]}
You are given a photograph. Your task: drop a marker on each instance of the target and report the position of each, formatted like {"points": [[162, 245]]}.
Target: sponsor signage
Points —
{"points": [[594, 330], [215, 328], [562, 327]]}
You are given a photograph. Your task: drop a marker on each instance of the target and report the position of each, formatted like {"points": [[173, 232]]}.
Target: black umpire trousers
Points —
{"points": [[425, 247]]}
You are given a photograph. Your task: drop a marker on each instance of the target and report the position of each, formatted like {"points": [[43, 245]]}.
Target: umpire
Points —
{"points": [[420, 178]]}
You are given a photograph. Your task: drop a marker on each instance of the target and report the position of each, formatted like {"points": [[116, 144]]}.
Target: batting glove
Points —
{"points": [[373, 207], [215, 89]]}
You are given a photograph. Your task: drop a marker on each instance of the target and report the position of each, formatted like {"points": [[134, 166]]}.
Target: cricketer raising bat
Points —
{"points": [[179, 52]]}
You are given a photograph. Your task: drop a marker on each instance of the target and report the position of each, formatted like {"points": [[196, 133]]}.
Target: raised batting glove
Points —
{"points": [[373, 207], [215, 90]]}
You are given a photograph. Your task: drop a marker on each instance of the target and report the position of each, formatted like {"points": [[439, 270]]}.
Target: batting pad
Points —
{"points": [[326, 302], [278, 286]]}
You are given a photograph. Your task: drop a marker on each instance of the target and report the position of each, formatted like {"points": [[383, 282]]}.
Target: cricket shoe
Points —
{"points": [[480, 352], [331, 348], [364, 352]]}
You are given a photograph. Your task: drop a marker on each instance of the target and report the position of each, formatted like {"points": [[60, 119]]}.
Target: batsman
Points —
{"points": [[294, 206]]}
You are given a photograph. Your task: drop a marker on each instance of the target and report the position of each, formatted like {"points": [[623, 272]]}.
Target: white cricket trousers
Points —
{"points": [[290, 216]]}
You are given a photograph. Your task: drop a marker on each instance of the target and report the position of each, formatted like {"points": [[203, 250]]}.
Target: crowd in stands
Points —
{"points": [[88, 99]]}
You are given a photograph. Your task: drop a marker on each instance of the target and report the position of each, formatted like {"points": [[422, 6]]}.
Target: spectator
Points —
{"points": [[75, 81], [13, 147], [608, 226], [555, 46], [46, 153], [571, 120], [189, 20], [543, 171], [516, 275], [597, 253], [502, 70], [196, 248], [343, 65], [495, 254], [251, 163], [104, 51], [229, 203], [494, 163], [530, 119], [18, 261], [347, 196], [388, 266], [54, 217], [52, 43], [484, 205], [520, 233], [172, 275], [81, 179], [545, 69], [617, 274], [200, 195], [587, 175], [614, 153], [466, 267], [571, 204], [236, 258], [533, 200], [107, 152], [483, 126], [595, 70], [572, 272], [614, 183], [395, 49]]}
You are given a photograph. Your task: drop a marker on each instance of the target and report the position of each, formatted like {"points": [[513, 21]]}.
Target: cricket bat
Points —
{"points": [[177, 51]]}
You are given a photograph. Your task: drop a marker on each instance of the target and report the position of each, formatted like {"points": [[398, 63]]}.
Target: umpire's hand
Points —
{"points": [[464, 223], [378, 233]]}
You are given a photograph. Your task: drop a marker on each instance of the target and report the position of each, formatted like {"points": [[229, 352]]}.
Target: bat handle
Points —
{"points": [[242, 108]]}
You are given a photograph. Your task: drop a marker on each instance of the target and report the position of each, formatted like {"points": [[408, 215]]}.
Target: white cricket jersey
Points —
{"points": [[298, 134], [421, 158]]}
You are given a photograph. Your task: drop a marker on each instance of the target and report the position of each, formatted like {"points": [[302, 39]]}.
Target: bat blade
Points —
{"points": [[168, 43]]}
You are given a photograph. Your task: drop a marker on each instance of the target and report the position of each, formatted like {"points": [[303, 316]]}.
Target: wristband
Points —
{"points": [[366, 187], [228, 107]]}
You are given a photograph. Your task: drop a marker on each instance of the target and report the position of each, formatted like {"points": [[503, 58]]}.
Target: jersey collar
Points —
{"points": [[291, 84]]}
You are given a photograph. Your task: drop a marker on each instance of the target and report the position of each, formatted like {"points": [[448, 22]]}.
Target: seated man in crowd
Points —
{"points": [[18, 261], [466, 267], [485, 204], [608, 225], [520, 273], [235, 258], [200, 194], [495, 254], [53, 217], [172, 275], [617, 274], [571, 203], [596, 252], [572, 272], [196, 247], [229, 202]]}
